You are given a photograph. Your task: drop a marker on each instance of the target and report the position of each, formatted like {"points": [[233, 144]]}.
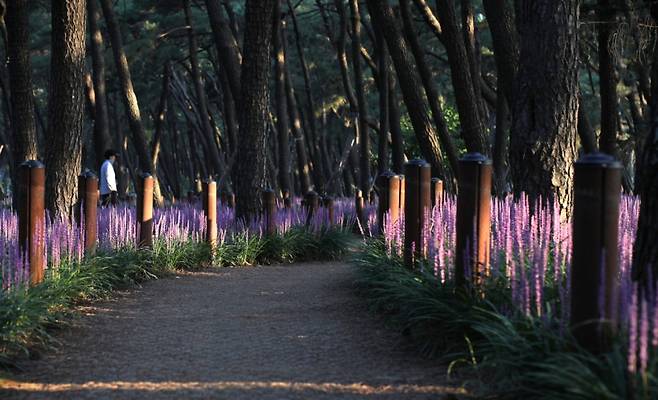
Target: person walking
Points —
{"points": [[108, 184]]}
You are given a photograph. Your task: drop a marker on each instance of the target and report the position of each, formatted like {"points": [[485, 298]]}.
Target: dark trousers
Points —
{"points": [[109, 199]]}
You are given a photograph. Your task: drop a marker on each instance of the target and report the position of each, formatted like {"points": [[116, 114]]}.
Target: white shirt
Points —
{"points": [[108, 178]]}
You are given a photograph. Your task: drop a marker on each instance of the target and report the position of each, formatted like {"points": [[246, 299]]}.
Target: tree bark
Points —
{"points": [[250, 174], [129, 97], [607, 79], [384, 131], [65, 106], [282, 123], [645, 251], [202, 102], [20, 81], [545, 109], [382, 15], [160, 118], [228, 50], [102, 138], [364, 134]]}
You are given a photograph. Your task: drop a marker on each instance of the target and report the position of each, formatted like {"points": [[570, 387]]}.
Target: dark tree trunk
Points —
{"points": [[545, 108], [282, 123], [364, 134], [607, 79], [397, 143], [160, 118], [126, 85], [430, 89], [250, 173], [384, 131], [382, 15], [102, 138], [228, 50], [585, 130], [202, 102], [468, 103], [645, 252], [65, 106], [20, 81]]}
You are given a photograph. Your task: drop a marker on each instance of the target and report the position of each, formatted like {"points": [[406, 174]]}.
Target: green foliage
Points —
{"points": [[28, 315], [516, 356]]}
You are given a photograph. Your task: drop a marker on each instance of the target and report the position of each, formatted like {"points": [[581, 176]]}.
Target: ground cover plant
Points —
{"points": [[513, 330], [28, 314]]}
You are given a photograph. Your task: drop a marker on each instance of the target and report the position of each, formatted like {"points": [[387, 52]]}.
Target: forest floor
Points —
{"points": [[275, 332]]}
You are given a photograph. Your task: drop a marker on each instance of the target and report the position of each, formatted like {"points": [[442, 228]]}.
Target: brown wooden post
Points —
{"points": [[437, 191], [87, 206], [418, 174], [328, 204], [209, 195], [287, 201], [473, 218], [311, 203], [383, 183], [594, 265], [144, 211], [32, 217], [403, 186], [269, 211]]}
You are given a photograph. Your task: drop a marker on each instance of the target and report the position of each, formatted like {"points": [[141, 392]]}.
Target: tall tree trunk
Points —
{"points": [[382, 66], [645, 252], [382, 15], [364, 134], [65, 106], [20, 81], [102, 138], [202, 101], [545, 109], [607, 79], [160, 118], [468, 103], [250, 174], [430, 89], [129, 97], [397, 142], [282, 123], [228, 50]]}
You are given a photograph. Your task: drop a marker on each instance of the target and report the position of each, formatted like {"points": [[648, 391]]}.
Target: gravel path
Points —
{"points": [[276, 332]]}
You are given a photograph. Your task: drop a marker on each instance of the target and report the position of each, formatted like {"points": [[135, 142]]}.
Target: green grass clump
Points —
{"points": [[516, 356]]}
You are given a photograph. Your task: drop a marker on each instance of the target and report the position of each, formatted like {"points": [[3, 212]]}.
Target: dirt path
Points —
{"points": [[284, 332]]}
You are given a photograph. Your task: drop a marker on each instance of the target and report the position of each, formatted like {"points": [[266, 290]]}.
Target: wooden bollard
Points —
{"points": [[287, 201], [32, 217], [269, 211], [145, 211], [403, 185], [437, 191], [87, 207], [328, 204], [388, 208], [209, 195], [473, 218], [594, 265], [311, 201], [418, 174]]}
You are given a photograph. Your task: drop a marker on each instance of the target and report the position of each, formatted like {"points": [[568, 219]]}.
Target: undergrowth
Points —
{"points": [[516, 356], [28, 315]]}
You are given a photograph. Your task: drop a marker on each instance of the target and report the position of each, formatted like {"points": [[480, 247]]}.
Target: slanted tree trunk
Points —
{"points": [[249, 176], [202, 101], [65, 106], [160, 118], [20, 81], [545, 107], [384, 131], [364, 134], [397, 143], [607, 79], [430, 89], [282, 123], [468, 103], [645, 251], [228, 50], [102, 138], [382, 15]]}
